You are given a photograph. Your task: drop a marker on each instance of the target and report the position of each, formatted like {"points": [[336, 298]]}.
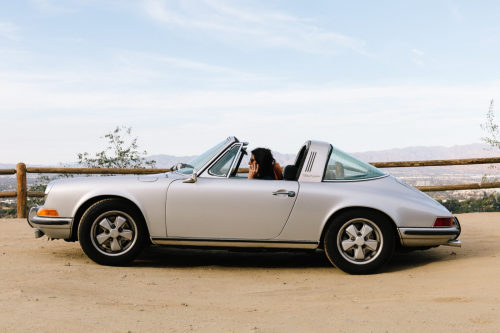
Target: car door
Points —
{"points": [[229, 208]]}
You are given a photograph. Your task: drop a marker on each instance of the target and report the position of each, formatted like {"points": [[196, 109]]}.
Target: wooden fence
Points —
{"points": [[22, 192]]}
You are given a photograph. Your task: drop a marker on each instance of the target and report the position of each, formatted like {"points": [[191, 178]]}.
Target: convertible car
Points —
{"points": [[328, 200]]}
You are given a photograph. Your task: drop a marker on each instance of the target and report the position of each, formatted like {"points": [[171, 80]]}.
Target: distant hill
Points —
{"points": [[7, 166], [459, 174], [429, 153], [166, 161], [397, 154]]}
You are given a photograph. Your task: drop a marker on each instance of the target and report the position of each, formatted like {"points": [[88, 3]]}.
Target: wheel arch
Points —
{"points": [[89, 202], [358, 208]]}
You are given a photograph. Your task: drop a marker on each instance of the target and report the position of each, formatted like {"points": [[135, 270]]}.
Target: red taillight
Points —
{"points": [[443, 222]]}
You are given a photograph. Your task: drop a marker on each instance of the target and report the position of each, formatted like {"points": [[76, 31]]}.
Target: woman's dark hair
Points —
{"points": [[265, 160]]}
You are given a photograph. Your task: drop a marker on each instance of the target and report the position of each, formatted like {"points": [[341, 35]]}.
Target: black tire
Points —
{"points": [[112, 232], [359, 241]]}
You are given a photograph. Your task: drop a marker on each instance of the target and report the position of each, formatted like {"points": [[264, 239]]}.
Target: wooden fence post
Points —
{"points": [[22, 191]]}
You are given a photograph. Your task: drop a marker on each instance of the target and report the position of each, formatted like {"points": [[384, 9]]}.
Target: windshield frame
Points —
{"points": [[236, 161], [223, 147]]}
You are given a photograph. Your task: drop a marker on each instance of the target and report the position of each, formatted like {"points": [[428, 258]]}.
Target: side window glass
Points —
{"points": [[343, 166], [223, 166]]}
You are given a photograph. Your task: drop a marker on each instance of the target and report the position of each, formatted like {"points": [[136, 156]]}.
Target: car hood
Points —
{"points": [[109, 181], [114, 179], [68, 194]]}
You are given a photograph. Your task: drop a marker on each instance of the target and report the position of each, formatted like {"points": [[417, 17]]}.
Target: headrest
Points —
{"points": [[290, 172]]}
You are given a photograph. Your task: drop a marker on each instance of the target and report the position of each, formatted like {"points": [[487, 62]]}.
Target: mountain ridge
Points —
{"points": [[474, 150]]}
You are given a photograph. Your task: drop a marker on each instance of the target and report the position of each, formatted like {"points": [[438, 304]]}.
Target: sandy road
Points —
{"points": [[52, 287]]}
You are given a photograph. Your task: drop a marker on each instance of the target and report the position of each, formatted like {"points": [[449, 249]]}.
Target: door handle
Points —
{"points": [[289, 193]]}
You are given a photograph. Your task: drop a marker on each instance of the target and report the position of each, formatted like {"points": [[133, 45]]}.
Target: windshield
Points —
{"points": [[343, 166], [201, 160]]}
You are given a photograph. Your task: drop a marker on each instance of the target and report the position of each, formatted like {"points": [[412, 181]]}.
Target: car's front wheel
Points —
{"points": [[359, 241], [111, 232]]}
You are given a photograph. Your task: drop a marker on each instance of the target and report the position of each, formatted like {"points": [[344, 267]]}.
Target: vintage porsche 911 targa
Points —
{"points": [[327, 200]]}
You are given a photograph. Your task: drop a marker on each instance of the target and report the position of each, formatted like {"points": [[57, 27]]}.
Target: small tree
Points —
{"points": [[491, 128], [121, 152], [493, 134]]}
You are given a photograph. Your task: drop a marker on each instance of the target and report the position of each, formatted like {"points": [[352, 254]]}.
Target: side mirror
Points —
{"points": [[193, 178], [177, 167]]}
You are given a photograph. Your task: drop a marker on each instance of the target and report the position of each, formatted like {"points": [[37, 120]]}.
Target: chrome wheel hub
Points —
{"points": [[359, 241], [114, 233]]}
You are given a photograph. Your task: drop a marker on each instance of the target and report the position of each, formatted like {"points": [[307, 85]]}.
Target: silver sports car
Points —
{"points": [[328, 200]]}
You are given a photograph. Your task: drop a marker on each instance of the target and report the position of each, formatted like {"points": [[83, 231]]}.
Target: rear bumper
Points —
{"points": [[53, 227], [431, 236]]}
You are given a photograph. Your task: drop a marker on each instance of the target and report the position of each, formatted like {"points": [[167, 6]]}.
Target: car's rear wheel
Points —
{"points": [[111, 232], [359, 241]]}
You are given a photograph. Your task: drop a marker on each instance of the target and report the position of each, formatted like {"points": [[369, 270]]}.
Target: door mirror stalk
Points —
{"points": [[193, 178]]}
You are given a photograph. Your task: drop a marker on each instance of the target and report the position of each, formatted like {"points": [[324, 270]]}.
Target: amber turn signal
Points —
{"points": [[47, 212]]}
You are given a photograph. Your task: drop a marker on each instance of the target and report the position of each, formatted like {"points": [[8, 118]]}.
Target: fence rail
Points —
{"points": [[96, 171], [409, 164], [22, 192]]}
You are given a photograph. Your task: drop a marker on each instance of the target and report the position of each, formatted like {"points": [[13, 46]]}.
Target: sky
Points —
{"points": [[362, 75]]}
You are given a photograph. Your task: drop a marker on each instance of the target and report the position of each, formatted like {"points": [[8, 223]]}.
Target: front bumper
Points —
{"points": [[431, 236], [53, 227]]}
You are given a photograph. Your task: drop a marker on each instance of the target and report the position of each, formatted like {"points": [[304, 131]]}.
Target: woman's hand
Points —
{"points": [[252, 170]]}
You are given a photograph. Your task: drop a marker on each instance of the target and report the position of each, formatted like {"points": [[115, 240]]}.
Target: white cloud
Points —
{"points": [[63, 109], [456, 13], [153, 66], [417, 52], [320, 112], [9, 30], [39, 91], [269, 29], [418, 56], [55, 7]]}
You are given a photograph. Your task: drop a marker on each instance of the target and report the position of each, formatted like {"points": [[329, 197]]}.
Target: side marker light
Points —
{"points": [[47, 212]]}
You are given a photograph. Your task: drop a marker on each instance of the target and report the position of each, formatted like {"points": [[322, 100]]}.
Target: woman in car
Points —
{"points": [[263, 166]]}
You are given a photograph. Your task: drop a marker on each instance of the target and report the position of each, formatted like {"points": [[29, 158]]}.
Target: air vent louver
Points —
{"points": [[311, 161]]}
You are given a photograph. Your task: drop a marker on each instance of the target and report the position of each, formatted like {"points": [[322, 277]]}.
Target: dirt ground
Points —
{"points": [[51, 286]]}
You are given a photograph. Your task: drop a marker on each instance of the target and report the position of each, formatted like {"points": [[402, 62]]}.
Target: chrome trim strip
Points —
{"points": [[48, 222], [32, 213], [429, 232], [210, 175], [454, 243], [236, 243], [427, 236], [230, 140], [457, 225], [236, 159], [352, 180], [35, 220]]}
